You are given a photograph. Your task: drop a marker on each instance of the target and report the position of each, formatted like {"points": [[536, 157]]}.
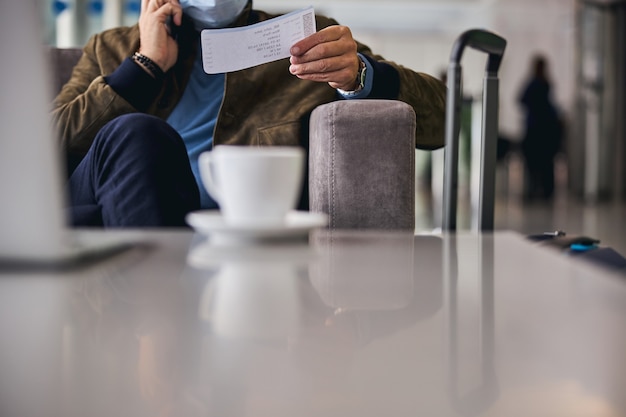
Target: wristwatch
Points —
{"points": [[360, 80]]}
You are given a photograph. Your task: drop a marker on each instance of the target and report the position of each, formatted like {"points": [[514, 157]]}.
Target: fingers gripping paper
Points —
{"points": [[234, 49]]}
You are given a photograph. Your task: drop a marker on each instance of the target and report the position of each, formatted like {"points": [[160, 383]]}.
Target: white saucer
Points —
{"points": [[297, 224]]}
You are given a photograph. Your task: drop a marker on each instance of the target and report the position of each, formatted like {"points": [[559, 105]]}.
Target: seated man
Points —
{"points": [[139, 109]]}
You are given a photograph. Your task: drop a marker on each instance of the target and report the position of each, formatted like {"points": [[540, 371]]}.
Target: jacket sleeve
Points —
{"points": [[88, 100], [426, 94]]}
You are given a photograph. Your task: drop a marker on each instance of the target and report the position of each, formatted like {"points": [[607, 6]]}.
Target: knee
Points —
{"points": [[139, 122], [138, 131]]}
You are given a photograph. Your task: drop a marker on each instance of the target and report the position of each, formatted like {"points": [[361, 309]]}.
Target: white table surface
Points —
{"points": [[350, 324]]}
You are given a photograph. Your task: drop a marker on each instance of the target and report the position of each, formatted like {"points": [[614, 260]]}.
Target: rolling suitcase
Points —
{"points": [[494, 46]]}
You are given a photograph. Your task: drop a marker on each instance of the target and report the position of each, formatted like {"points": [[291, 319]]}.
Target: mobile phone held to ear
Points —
{"points": [[171, 27]]}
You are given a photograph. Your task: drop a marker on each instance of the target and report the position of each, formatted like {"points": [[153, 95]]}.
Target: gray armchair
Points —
{"points": [[361, 158]]}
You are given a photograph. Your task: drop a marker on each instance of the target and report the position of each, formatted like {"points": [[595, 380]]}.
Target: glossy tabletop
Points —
{"points": [[345, 324]]}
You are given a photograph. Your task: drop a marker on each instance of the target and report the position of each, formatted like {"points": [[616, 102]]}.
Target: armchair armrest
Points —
{"points": [[362, 164]]}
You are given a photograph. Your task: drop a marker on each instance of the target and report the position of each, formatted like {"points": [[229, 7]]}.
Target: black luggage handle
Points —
{"points": [[483, 41], [494, 46]]}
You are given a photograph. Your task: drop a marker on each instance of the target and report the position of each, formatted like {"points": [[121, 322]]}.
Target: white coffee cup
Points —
{"points": [[254, 185]]}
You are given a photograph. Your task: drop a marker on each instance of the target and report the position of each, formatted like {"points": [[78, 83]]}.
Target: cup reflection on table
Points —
{"points": [[254, 292]]}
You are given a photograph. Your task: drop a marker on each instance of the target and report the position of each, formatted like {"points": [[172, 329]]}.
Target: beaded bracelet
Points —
{"points": [[149, 64]]}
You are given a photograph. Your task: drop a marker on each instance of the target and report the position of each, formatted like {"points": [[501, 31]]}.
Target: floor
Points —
{"points": [[605, 221]]}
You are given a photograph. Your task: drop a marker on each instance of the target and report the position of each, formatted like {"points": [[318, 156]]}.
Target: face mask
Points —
{"points": [[210, 14]]}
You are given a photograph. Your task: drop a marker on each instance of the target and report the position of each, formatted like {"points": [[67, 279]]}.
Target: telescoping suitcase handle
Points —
{"points": [[493, 45]]}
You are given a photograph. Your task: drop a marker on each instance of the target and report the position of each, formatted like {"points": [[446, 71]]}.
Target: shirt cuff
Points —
{"points": [[134, 84]]}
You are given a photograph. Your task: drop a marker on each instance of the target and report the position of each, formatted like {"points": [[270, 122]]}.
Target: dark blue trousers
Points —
{"points": [[136, 174]]}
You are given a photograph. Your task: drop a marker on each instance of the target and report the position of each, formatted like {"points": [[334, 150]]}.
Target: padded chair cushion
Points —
{"points": [[362, 164], [62, 62]]}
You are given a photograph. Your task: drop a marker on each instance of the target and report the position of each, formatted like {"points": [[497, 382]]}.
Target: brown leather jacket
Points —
{"points": [[263, 105]]}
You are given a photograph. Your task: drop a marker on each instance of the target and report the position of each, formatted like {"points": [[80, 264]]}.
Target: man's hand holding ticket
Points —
{"points": [[325, 56], [234, 49]]}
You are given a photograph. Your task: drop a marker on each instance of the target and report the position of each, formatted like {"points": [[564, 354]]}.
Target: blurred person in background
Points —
{"points": [[543, 131]]}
